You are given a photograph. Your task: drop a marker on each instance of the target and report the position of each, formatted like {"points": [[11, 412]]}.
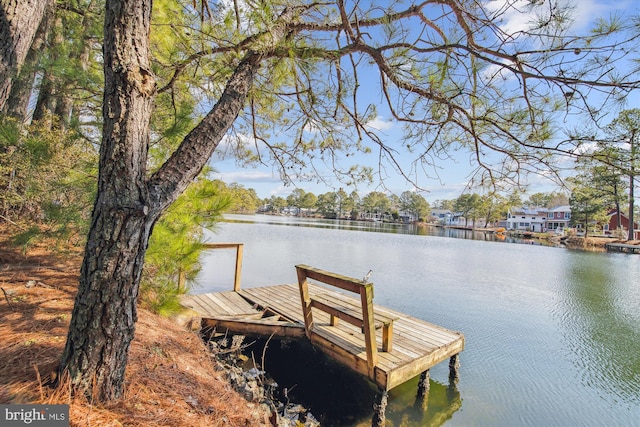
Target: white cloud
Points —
{"points": [[519, 16], [511, 13], [516, 16], [587, 147], [232, 144], [587, 10], [311, 127], [496, 73], [243, 8], [246, 176], [380, 124], [281, 191]]}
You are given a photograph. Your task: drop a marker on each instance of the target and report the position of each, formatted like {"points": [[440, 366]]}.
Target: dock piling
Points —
{"points": [[379, 408], [454, 368], [422, 397], [423, 384]]}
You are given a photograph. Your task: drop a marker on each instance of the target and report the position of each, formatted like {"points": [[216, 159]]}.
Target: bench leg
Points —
{"points": [[379, 408], [387, 337]]}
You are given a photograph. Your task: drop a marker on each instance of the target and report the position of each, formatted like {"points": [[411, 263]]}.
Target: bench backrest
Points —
{"points": [[364, 289]]}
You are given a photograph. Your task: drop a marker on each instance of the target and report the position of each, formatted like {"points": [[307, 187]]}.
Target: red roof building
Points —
{"points": [[613, 225]]}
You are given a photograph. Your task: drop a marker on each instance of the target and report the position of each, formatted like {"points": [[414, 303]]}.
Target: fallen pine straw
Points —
{"points": [[171, 379]]}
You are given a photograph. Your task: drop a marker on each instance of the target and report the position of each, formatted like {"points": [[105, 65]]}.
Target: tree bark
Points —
{"points": [[19, 22], [17, 104], [49, 87], [104, 314], [65, 103], [46, 100], [128, 203]]}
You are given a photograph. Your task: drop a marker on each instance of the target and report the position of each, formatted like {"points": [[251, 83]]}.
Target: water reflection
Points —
{"points": [[293, 221], [407, 409], [381, 227]]}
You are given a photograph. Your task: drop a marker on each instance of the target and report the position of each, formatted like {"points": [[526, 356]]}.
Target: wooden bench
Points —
{"points": [[342, 307]]}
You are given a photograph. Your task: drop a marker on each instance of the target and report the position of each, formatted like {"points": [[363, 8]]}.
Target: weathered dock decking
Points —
{"points": [[385, 345]]}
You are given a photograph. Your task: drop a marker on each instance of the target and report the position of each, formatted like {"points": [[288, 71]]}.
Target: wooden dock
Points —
{"points": [[387, 346], [621, 247]]}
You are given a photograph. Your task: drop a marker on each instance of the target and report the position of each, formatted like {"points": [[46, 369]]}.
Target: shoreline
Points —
{"points": [[571, 242]]}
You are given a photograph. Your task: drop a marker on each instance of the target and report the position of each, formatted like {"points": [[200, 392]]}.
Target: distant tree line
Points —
{"points": [[340, 204]]}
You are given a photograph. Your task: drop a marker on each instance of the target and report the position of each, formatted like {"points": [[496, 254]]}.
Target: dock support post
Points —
{"points": [[379, 408], [454, 369], [422, 398], [423, 384]]}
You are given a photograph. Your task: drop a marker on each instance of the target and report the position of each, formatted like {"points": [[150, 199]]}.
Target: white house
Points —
{"points": [[527, 219], [539, 219]]}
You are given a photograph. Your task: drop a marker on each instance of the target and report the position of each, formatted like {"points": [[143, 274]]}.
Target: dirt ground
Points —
{"points": [[171, 379]]}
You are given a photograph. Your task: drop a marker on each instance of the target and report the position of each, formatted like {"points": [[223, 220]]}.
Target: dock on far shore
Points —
{"points": [[622, 247], [337, 315]]}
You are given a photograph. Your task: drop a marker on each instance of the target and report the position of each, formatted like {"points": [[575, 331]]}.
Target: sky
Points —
{"points": [[451, 178]]}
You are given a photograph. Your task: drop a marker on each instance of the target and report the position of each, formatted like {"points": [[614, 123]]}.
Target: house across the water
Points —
{"points": [[613, 224], [538, 219]]}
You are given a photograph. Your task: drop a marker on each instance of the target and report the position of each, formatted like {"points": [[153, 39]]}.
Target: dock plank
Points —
{"points": [[226, 303], [215, 305], [200, 304]]}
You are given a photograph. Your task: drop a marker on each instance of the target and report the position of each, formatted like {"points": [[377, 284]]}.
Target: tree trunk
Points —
{"points": [[128, 203], [618, 215], [104, 315], [46, 100], [49, 86], [65, 103], [19, 22], [17, 104], [586, 226], [631, 235], [632, 176]]}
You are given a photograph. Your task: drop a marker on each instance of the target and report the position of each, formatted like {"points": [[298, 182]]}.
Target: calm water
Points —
{"points": [[552, 335]]}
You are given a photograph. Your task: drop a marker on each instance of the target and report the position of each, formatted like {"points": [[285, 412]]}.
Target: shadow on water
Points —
{"points": [[337, 396]]}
